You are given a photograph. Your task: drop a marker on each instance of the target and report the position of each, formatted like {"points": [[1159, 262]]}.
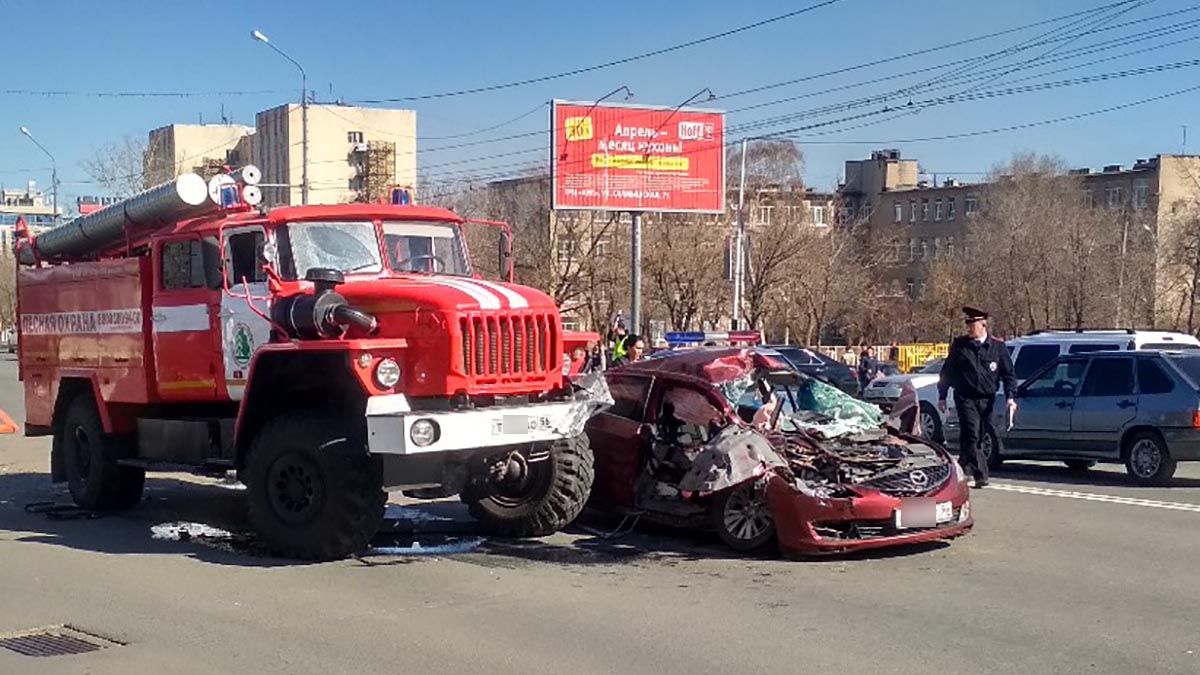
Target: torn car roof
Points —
{"points": [[712, 365]]}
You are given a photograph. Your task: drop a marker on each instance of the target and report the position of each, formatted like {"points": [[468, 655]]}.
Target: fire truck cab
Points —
{"points": [[325, 353]]}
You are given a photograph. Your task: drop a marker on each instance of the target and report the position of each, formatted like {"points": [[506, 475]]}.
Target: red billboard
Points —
{"points": [[637, 158]]}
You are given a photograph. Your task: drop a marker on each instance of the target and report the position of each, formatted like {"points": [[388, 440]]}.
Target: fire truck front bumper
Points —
{"points": [[394, 429]]}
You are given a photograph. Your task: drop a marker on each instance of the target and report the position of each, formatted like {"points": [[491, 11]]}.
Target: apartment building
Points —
{"points": [[29, 203], [193, 148]]}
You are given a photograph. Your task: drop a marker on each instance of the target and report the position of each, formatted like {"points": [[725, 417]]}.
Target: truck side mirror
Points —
{"points": [[211, 253], [505, 265]]}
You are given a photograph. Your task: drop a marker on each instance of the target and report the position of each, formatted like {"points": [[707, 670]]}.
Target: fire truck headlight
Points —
{"points": [[387, 373], [424, 432]]}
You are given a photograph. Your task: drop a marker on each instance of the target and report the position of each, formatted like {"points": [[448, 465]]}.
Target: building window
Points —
{"points": [[762, 215], [818, 215], [937, 248], [970, 205], [924, 249], [912, 250], [912, 211], [864, 211], [949, 247], [846, 215], [566, 250], [1089, 198], [925, 210], [950, 209], [921, 290], [1112, 196], [937, 210], [1141, 193], [354, 136], [897, 212], [912, 289], [601, 247]]}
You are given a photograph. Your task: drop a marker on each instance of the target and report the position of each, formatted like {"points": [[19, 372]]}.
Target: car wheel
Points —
{"points": [[313, 490], [991, 450], [1079, 464], [1147, 459], [549, 498], [931, 423], [742, 518], [90, 457]]}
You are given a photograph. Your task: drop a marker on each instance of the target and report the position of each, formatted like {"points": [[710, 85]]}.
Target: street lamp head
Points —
{"points": [[25, 131], [258, 35]]}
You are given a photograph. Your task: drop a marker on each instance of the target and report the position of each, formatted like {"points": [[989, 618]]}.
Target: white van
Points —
{"points": [[1031, 352]]}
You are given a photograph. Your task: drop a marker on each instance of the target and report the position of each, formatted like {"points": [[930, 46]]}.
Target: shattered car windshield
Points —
{"points": [[810, 405], [432, 248], [344, 246]]}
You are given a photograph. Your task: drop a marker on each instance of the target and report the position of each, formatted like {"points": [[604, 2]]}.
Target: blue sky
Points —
{"points": [[376, 49]]}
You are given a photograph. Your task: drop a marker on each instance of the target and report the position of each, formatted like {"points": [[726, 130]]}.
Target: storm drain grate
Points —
{"points": [[54, 641]]}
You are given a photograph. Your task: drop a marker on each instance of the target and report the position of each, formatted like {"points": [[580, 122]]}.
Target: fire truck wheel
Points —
{"points": [[90, 456], [552, 496], [314, 491]]}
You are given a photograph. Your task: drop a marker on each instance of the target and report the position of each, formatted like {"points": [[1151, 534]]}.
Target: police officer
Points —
{"points": [[975, 367]]}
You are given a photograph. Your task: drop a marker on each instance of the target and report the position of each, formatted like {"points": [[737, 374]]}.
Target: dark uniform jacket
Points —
{"points": [[975, 369]]}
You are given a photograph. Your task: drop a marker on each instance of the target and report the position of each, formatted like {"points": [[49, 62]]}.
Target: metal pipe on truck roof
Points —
{"points": [[183, 197]]}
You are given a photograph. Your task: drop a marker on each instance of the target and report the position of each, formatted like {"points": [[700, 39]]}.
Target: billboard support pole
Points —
{"points": [[739, 256], [635, 273]]}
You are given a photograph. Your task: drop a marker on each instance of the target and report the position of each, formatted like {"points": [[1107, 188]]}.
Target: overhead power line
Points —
{"points": [[607, 64]]}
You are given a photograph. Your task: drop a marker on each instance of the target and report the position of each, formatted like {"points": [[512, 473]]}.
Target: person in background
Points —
{"points": [[975, 368], [619, 338], [868, 368], [635, 351]]}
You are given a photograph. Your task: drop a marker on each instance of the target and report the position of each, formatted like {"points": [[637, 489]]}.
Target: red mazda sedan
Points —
{"points": [[733, 440]]}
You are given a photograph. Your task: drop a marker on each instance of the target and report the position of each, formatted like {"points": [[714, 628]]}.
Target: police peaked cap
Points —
{"points": [[974, 314]]}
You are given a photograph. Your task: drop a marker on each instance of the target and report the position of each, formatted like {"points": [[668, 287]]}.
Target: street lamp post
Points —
{"points": [[739, 235], [53, 172], [258, 36]]}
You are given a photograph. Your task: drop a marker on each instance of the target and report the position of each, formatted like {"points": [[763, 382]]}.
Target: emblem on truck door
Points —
{"points": [[243, 344]]}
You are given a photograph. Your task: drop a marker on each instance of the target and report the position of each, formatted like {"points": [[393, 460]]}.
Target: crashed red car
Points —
{"points": [[733, 440]]}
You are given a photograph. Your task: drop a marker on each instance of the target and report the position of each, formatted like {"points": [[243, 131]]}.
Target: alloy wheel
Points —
{"points": [[746, 514], [1145, 458]]}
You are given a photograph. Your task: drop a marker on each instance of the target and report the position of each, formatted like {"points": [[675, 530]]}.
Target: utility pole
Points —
{"points": [[53, 172], [635, 266], [258, 36], [737, 245]]}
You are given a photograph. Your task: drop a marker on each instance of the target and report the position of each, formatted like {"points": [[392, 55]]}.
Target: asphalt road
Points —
{"points": [[1063, 574]]}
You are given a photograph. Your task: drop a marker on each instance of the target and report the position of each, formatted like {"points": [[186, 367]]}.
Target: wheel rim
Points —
{"points": [[531, 487], [987, 445], [83, 453], [1145, 458], [296, 489], [746, 515], [928, 425]]}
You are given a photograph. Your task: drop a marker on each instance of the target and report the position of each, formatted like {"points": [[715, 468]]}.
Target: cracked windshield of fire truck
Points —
{"points": [[349, 247], [435, 248]]}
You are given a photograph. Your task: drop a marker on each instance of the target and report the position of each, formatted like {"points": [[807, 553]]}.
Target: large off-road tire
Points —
{"points": [[555, 494], [314, 491], [742, 518], [90, 457], [1147, 459]]}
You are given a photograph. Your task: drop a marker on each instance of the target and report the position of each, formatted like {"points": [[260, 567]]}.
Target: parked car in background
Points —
{"points": [[733, 440], [885, 391], [889, 369], [813, 362], [1141, 409]]}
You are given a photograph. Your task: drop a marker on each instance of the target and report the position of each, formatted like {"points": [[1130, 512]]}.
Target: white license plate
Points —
{"points": [[515, 424], [922, 512]]}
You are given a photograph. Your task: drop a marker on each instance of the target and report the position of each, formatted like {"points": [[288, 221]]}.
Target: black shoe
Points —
{"points": [[980, 482]]}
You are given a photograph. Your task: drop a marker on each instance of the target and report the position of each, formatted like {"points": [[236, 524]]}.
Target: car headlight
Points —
{"points": [[959, 474], [424, 433], [387, 373]]}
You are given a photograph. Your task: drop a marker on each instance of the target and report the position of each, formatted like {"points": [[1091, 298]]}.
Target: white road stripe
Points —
{"points": [[515, 299], [1093, 497]]}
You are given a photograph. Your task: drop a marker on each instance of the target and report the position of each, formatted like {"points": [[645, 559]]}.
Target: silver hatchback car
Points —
{"points": [[1138, 408]]}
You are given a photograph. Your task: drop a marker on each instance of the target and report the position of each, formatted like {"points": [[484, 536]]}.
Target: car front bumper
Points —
{"points": [[808, 526]]}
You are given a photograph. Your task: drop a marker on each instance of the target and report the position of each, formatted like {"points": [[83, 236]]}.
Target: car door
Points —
{"points": [[620, 438], [1106, 404], [185, 350], [243, 330], [1043, 418]]}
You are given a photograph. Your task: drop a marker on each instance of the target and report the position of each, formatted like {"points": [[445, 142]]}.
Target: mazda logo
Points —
{"points": [[919, 478]]}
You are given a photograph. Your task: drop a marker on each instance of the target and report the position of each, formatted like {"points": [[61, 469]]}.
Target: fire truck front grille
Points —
{"points": [[516, 348]]}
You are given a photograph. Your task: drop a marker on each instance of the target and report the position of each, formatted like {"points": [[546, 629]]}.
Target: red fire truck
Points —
{"points": [[325, 353]]}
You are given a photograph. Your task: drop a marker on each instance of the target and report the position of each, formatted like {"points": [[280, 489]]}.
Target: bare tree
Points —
{"points": [[8, 290], [683, 267], [119, 167], [768, 162], [773, 246]]}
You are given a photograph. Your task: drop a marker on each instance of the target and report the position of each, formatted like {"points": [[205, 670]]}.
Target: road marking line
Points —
{"points": [[1092, 497]]}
